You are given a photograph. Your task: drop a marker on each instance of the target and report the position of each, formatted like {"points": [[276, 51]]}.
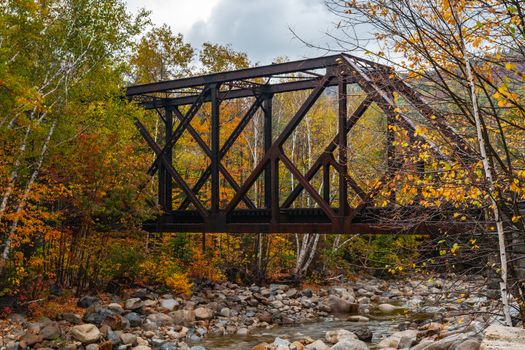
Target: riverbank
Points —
{"points": [[378, 314]]}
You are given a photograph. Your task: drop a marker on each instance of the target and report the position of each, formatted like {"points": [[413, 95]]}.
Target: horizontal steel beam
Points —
{"points": [[241, 74], [240, 93]]}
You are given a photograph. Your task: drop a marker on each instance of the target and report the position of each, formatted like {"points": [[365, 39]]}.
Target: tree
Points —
{"points": [[469, 57]]}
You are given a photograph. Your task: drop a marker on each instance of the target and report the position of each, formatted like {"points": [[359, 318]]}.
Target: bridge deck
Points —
{"points": [[308, 220]]}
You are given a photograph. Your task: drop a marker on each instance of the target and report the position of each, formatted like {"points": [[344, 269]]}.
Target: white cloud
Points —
{"points": [[261, 28], [180, 15]]}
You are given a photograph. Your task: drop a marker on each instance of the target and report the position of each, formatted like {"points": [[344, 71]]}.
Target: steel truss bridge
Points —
{"points": [[240, 214]]}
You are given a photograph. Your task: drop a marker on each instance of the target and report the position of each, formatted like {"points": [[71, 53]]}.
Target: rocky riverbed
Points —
{"points": [[429, 313]]}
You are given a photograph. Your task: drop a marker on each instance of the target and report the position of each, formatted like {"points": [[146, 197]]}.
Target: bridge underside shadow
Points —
{"points": [[203, 206]]}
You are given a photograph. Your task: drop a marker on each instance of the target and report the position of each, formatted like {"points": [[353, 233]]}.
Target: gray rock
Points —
{"points": [[350, 344], [279, 342], [183, 317], [338, 335], [317, 345], [71, 317], [203, 313], [128, 339], [242, 331], [92, 347], [86, 301], [363, 333], [277, 304], [160, 319], [50, 331], [470, 344], [168, 346], [387, 308], [117, 308], [500, 337], [169, 304], [135, 320], [134, 304], [341, 306], [12, 345], [98, 316], [85, 333], [225, 312]]}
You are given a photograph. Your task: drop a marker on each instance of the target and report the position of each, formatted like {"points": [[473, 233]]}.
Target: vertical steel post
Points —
{"points": [[215, 143], [326, 183], [274, 163], [390, 153], [169, 156], [267, 108], [342, 143], [164, 178]]}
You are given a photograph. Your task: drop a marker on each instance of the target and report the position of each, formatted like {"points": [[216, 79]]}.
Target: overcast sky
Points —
{"points": [[261, 28]]}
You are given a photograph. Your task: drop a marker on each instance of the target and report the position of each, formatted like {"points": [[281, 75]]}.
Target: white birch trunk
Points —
{"points": [[490, 184], [23, 200]]}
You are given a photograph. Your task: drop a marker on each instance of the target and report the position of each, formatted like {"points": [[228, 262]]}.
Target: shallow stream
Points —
{"points": [[380, 326]]}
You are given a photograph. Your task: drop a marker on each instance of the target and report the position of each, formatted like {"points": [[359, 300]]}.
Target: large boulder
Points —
{"points": [[350, 344], [401, 340], [317, 345], [86, 333], [338, 335], [341, 306], [203, 313], [500, 337], [160, 319]]}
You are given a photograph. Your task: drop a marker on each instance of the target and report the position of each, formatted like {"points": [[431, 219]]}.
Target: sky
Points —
{"points": [[261, 28]]}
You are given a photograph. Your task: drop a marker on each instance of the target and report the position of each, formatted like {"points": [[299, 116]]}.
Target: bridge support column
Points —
{"points": [[343, 144], [390, 152], [165, 180], [215, 142], [267, 108]]}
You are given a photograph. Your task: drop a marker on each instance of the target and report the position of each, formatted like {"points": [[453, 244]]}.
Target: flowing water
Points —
{"points": [[380, 326]]}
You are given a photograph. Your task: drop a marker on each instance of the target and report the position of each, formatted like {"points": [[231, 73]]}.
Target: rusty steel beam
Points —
{"points": [[241, 74], [276, 88]]}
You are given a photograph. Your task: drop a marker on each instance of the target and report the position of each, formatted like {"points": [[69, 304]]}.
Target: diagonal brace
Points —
{"points": [[169, 167]]}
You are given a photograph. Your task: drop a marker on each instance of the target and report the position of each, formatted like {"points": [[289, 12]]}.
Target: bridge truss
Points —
{"points": [[278, 214]]}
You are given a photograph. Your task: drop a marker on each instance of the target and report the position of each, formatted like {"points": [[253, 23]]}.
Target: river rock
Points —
{"points": [[317, 345], [71, 317], [350, 344], [261, 346], [501, 337], [50, 331], [341, 306], [30, 339], [397, 340], [338, 335], [85, 333], [387, 308], [168, 346], [135, 320], [357, 318], [128, 339], [117, 308], [169, 303], [134, 304], [203, 313], [86, 301], [160, 319], [281, 342], [363, 333], [470, 344], [183, 317]]}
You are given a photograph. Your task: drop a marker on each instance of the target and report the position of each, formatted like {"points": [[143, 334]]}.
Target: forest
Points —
{"points": [[75, 189]]}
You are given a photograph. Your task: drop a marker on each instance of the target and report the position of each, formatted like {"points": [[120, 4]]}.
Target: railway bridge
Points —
{"points": [[179, 101]]}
